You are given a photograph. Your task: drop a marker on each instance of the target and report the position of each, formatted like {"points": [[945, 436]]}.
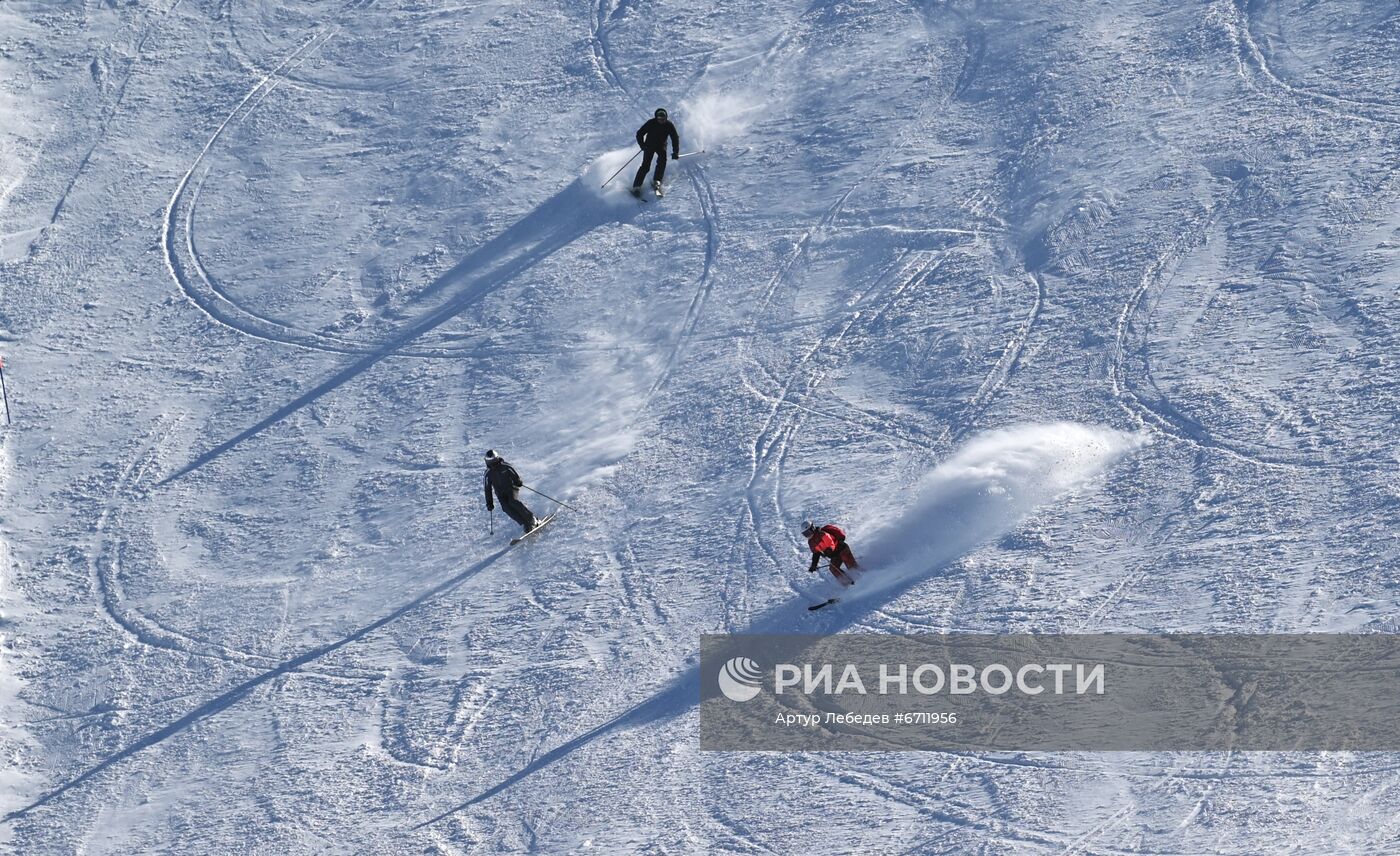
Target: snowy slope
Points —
{"points": [[1098, 298]]}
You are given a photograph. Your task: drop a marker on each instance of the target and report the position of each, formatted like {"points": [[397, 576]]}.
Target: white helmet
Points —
{"points": [[808, 527]]}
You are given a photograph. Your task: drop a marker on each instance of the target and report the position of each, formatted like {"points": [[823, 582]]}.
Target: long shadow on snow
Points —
{"points": [[683, 692], [238, 693], [562, 219]]}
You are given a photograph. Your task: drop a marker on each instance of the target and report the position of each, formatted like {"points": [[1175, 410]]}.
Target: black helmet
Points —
{"points": [[660, 113], [491, 456]]}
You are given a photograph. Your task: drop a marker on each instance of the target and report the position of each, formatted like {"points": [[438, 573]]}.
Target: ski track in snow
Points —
{"points": [[106, 564], [770, 446], [704, 194], [202, 289], [247, 59], [1004, 367], [778, 433], [768, 436], [1254, 57], [177, 233], [1161, 415], [952, 814]]}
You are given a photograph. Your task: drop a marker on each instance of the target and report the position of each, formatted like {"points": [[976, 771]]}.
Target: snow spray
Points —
{"points": [[987, 488]]}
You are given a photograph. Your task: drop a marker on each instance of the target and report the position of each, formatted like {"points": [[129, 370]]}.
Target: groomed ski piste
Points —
{"points": [[1078, 317]]}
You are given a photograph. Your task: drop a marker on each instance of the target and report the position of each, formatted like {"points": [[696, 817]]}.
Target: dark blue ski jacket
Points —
{"points": [[504, 479], [653, 135]]}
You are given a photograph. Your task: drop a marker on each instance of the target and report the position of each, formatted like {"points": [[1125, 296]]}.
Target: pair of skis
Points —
{"points": [[828, 602], [540, 523], [538, 526]]}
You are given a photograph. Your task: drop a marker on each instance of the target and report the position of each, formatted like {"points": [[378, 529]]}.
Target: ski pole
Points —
{"points": [[3, 391], [491, 520], [688, 154], [605, 184], [548, 497]]}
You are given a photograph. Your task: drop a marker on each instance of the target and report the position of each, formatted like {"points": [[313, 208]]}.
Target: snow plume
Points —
{"points": [[984, 490], [603, 167], [705, 121]]}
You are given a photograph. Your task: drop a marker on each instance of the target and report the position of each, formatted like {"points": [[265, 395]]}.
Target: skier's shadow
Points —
{"points": [[242, 690], [562, 219], [683, 691]]}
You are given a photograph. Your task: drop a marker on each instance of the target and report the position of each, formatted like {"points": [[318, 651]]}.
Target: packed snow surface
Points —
{"points": [[1077, 316]]}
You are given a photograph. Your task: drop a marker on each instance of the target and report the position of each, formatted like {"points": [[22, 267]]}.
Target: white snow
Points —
{"points": [[987, 488], [1078, 317]]}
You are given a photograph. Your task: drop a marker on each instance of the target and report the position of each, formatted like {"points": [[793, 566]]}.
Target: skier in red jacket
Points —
{"points": [[830, 541]]}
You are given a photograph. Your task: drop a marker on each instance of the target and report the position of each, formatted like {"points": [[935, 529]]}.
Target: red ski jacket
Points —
{"points": [[827, 540], [830, 541]]}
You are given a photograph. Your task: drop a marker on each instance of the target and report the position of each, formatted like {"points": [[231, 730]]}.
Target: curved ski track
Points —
{"points": [[1163, 416], [770, 437], [177, 228], [202, 289], [245, 59], [706, 194], [105, 565], [1002, 369], [770, 446], [1251, 55]]}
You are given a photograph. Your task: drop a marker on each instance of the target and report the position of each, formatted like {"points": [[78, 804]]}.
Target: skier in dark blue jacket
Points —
{"points": [[506, 482], [652, 137]]}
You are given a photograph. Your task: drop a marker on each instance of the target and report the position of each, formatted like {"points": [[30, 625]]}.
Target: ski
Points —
{"points": [[828, 602], [538, 526]]}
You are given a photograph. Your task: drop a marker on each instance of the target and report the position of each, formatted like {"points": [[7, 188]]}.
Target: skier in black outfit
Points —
{"points": [[652, 138], [506, 481]]}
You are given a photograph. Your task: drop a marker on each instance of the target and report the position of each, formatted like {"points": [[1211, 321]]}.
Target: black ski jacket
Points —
{"points": [[504, 479], [653, 135]]}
